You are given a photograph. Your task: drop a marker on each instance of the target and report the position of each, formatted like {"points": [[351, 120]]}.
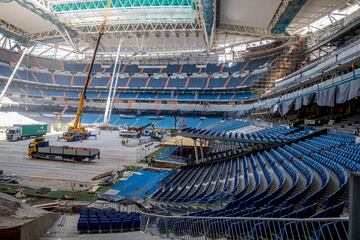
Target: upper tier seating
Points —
{"points": [[28, 76], [248, 81], [172, 68], [212, 68], [156, 82], [197, 82], [257, 63], [99, 81], [63, 80], [237, 67], [217, 82], [132, 69], [74, 67], [234, 82], [150, 70], [137, 82], [190, 68], [43, 77], [79, 80], [177, 83]]}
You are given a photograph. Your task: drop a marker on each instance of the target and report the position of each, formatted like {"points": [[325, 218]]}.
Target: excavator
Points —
{"points": [[76, 132]]}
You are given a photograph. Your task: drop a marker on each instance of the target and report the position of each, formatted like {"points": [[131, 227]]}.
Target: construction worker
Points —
{"points": [[150, 161]]}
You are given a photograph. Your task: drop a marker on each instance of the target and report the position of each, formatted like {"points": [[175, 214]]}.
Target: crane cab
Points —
{"points": [[35, 144]]}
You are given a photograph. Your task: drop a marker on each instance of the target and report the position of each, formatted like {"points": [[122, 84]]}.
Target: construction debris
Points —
{"points": [[43, 190], [100, 176]]}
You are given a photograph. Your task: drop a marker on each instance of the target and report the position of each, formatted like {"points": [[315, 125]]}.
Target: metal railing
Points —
{"points": [[116, 206], [194, 227]]}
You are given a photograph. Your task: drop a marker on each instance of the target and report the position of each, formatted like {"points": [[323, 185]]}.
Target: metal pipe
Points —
{"points": [[12, 75], [115, 86], [107, 107]]}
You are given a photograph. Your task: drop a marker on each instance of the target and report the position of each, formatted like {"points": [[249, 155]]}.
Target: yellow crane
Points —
{"points": [[77, 132]]}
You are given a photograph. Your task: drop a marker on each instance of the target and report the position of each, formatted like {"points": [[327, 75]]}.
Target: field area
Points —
{"points": [[60, 175]]}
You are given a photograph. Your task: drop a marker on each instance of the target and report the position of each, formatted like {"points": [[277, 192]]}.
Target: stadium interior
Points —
{"points": [[180, 119]]}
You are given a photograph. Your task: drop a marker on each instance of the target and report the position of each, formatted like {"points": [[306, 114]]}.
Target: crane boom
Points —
{"points": [[77, 124]]}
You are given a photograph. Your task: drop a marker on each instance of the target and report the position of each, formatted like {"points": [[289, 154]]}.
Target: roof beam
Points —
{"points": [[242, 30], [11, 31], [285, 14], [142, 27]]}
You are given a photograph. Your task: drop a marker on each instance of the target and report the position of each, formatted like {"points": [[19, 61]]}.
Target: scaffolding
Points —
{"points": [[286, 63]]}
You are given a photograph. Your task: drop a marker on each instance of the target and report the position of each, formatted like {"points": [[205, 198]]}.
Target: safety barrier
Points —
{"points": [[191, 227]]}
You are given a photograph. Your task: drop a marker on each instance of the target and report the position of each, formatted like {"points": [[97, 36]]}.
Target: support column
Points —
{"points": [[354, 207], [196, 152], [201, 151], [115, 86], [12, 75], [107, 107]]}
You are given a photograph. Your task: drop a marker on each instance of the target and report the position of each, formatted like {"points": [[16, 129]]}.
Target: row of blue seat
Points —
{"points": [[107, 220], [188, 82], [313, 158]]}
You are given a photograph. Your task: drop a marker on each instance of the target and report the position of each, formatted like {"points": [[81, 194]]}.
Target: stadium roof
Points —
{"points": [[156, 29]]}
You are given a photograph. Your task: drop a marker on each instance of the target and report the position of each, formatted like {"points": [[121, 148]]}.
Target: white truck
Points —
{"points": [[21, 132]]}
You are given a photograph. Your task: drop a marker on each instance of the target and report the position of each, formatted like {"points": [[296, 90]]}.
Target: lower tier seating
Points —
{"points": [[107, 220]]}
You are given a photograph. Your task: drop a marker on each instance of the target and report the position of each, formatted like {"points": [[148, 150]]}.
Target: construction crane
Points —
{"points": [[77, 132]]}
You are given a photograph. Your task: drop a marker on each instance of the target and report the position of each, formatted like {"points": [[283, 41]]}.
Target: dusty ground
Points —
{"points": [[57, 174], [69, 232]]}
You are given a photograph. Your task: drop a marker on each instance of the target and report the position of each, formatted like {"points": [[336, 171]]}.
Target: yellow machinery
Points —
{"points": [[32, 149], [40, 149], [77, 132]]}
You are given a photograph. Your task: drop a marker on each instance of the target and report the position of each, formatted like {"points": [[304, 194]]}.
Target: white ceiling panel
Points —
{"points": [[314, 10], [254, 13], [23, 18]]}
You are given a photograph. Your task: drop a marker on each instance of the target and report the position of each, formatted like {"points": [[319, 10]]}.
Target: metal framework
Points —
{"points": [[78, 21], [63, 6], [142, 27]]}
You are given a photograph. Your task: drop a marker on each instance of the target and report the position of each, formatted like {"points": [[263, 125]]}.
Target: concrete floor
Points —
{"points": [[69, 232], [58, 174]]}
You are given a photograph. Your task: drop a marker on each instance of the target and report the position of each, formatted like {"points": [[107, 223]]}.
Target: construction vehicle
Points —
{"points": [[40, 149], [75, 136], [156, 134], [138, 132], [21, 132], [140, 129], [129, 134], [77, 132]]}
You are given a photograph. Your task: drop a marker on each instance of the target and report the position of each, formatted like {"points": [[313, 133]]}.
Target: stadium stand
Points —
{"points": [[287, 199], [255, 109]]}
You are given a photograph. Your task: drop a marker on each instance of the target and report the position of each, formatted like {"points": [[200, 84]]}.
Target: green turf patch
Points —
{"points": [[159, 151], [31, 192]]}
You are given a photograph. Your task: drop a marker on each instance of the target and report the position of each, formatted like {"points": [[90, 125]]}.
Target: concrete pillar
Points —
{"points": [[354, 207]]}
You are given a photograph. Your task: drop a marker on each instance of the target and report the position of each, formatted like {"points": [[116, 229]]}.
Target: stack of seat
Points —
{"points": [[94, 220]]}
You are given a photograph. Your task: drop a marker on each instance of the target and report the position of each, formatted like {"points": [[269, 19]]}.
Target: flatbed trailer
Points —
{"points": [[40, 149]]}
